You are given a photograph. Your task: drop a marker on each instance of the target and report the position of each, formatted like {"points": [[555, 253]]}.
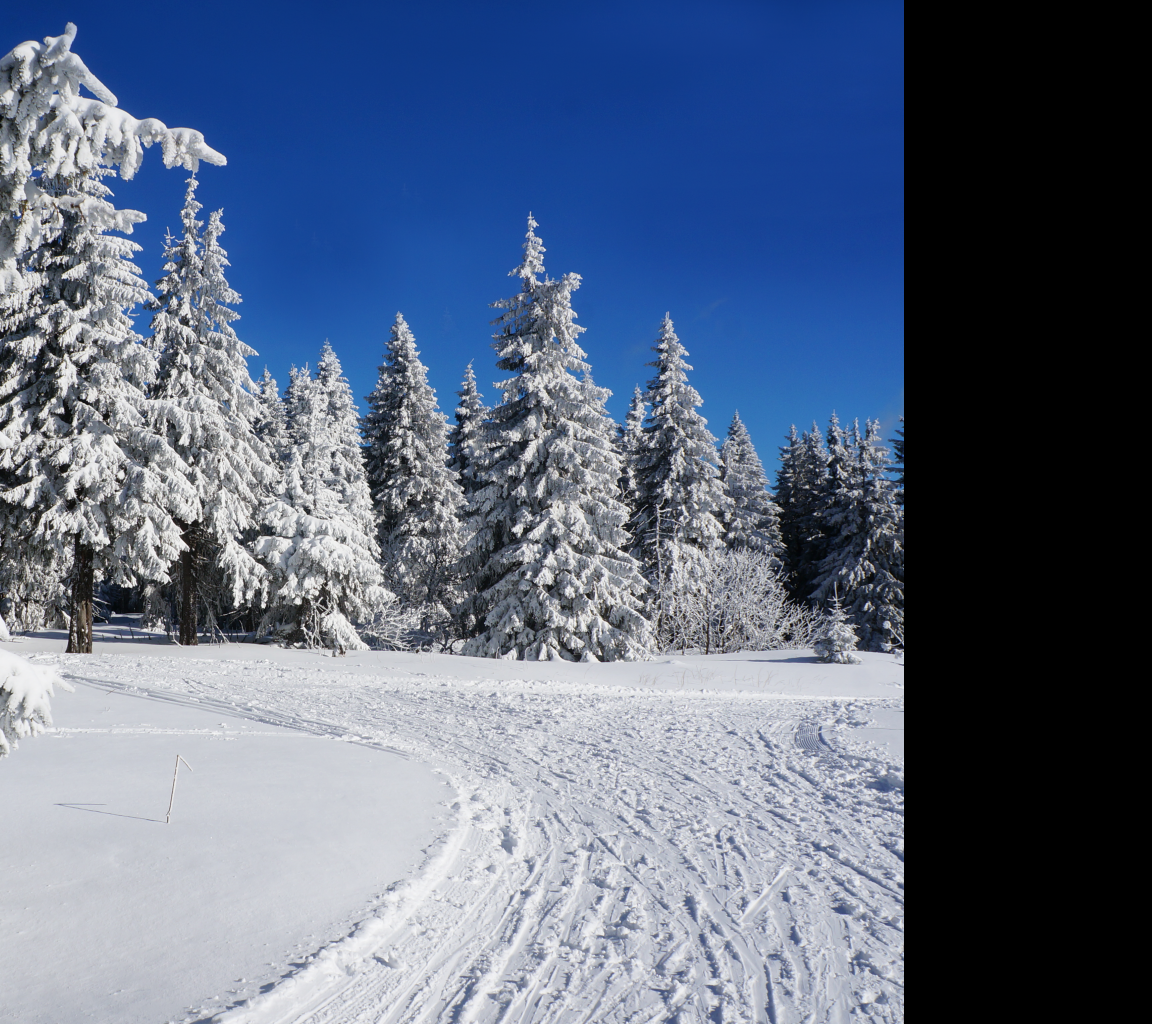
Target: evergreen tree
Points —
{"points": [[553, 580], [755, 519], [864, 562], [322, 552], [205, 409], [466, 439], [628, 441], [838, 645], [416, 494], [681, 506], [898, 460], [81, 485], [346, 471], [800, 490], [83, 479], [272, 425]]}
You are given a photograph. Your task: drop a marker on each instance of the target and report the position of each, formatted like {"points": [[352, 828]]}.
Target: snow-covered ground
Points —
{"points": [[391, 837]]}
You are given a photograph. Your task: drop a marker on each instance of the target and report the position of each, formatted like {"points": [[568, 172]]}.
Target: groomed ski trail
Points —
{"points": [[617, 856]]}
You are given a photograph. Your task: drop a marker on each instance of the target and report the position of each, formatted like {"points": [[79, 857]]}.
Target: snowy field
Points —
{"points": [[389, 838]]}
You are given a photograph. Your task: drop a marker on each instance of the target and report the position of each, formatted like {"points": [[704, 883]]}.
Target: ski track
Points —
{"points": [[617, 856]]}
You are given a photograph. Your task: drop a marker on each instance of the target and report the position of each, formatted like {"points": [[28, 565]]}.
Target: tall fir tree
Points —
{"points": [[898, 460], [415, 492], [800, 489], [322, 551], [552, 577], [862, 523], [81, 485], [629, 437], [346, 471], [754, 523], [466, 438], [680, 505], [84, 480], [272, 426], [206, 410]]}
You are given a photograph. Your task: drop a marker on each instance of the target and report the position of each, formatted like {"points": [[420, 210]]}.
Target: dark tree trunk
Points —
{"points": [[188, 588], [80, 619]]}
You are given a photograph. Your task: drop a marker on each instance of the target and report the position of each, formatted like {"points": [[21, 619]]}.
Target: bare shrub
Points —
{"points": [[731, 601]]}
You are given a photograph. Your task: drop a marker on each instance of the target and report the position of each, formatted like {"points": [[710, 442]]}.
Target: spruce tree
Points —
{"points": [[800, 490], [838, 645], [206, 410], [81, 484], [864, 560], [628, 440], [898, 460], [346, 471], [272, 425], [415, 493], [322, 551], [466, 437], [681, 506], [83, 479], [552, 577], [754, 523]]}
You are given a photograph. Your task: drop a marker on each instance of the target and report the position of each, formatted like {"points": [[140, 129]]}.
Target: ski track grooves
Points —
{"points": [[620, 858]]}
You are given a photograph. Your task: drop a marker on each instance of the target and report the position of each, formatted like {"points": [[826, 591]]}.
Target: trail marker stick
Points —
{"points": [[172, 798]]}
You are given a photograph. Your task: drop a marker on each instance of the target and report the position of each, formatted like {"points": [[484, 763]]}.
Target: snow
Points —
{"points": [[719, 838], [25, 697], [277, 839]]}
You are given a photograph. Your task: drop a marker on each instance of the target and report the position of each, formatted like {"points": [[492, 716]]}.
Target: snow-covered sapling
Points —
{"points": [[838, 645]]}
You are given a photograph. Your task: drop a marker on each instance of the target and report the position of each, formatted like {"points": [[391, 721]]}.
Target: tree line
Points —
{"points": [[535, 528]]}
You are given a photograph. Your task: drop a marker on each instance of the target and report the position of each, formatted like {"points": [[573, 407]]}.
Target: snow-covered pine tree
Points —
{"points": [[838, 645], [466, 438], [83, 477], [898, 460], [754, 523], [800, 489], [322, 552], [415, 493], [81, 486], [206, 410], [347, 473], [628, 440], [681, 506], [864, 562], [553, 579], [272, 426]]}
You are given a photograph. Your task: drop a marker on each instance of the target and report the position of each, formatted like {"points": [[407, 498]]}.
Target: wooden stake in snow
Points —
{"points": [[172, 799]]}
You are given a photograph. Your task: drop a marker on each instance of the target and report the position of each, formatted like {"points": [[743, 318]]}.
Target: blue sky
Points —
{"points": [[737, 164]]}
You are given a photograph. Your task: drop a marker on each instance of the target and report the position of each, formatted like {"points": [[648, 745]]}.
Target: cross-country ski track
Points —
{"points": [[612, 853]]}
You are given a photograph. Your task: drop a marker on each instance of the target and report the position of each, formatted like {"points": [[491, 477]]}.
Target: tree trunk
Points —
{"points": [[188, 588], [80, 622]]}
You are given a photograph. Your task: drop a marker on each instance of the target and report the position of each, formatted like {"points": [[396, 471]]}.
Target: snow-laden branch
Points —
{"points": [[25, 699], [49, 131]]}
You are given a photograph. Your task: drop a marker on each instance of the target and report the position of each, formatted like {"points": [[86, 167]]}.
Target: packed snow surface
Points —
{"points": [[691, 838]]}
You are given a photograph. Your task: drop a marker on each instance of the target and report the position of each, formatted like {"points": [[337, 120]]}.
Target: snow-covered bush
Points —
{"points": [[25, 705], [733, 600], [393, 627], [838, 644]]}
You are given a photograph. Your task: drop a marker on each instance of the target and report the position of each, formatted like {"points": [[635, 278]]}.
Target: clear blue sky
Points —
{"points": [[737, 164]]}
